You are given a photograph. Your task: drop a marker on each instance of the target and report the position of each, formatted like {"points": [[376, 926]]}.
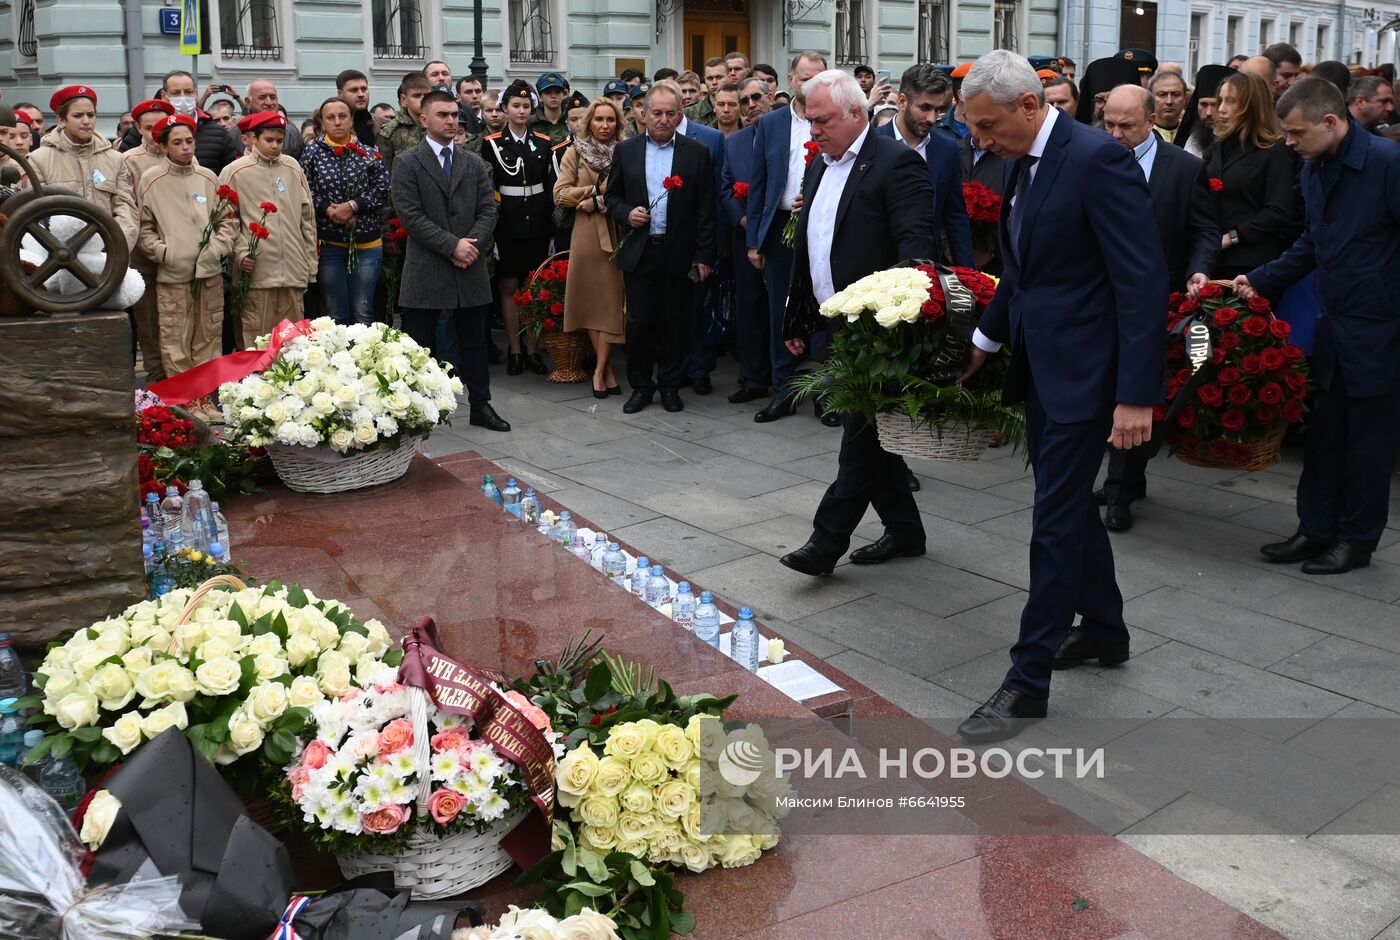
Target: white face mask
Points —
{"points": [[184, 104]]}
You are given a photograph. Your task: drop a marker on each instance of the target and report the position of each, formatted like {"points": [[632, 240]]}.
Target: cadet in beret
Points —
{"points": [[135, 163], [550, 118]]}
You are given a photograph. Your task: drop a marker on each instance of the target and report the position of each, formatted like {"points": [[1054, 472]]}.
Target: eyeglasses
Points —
{"points": [[752, 99]]}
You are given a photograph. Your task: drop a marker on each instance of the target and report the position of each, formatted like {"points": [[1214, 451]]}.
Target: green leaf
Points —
{"points": [[285, 741], [682, 922], [249, 668], [293, 720], [588, 888], [236, 614], [87, 735], [394, 657], [279, 626], [593, 863], [61, 745], [29, 703], [569, 861], [641, 874], [104, 752], [598, 682], [208, 748], [296, 596], [38, 751]]}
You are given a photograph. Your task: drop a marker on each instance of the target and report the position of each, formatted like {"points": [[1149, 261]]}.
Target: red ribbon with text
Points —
{"points": [[205, 379]]}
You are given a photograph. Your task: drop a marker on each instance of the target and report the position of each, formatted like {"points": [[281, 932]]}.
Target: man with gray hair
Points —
{"points": [[1082, 298], [1371, 101]]}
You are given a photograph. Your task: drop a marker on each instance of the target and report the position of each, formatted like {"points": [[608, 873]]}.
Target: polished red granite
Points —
{"points": [[504, 596]]}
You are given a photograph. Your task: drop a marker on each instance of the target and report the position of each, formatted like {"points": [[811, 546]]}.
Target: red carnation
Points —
{"points": [[1257, 304], [1219, 447], [556, 309], [1229, 340], [1271, 394], [258, 231], [1251, 365], [673, 182], [1216, 184], [524, 297], [1266, 414], [812, 148], [741, 191], [1226, 315], [1238, 394], [1273, 358], [1232, 419], [269, 207], [227, 193], [1210, 395], [1292, 411], [1255, 326], [544, 296], [338, 151], [1280, 329]]}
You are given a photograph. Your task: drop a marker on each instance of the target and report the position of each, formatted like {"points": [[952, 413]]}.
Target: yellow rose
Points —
{"points": [[573, 777], [304, 692], [587, 924], [627, 740], [636, 798], [301, 649], [244, 733], [269, 665], [614, 773], [649, 769], [113, 687], [673, 747], [218, 677], [598, 811], [171, 716], [101, 812], [77, 709], [695, 857], [635, 826], [125, 733], [674, 799], [266, 702], [706, 735], [601, 840]]}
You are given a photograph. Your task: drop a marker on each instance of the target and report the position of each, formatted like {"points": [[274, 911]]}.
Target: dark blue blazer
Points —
{"points": [[1083, 296], [713, 141], [1185, 214], [770, 172], [1352, 216], [949, 210], [738, 168]]}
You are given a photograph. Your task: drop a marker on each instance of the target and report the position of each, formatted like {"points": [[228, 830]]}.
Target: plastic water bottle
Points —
{"points": [[11, 733], [566, 530], [615, 565], [153, 513], [218, 552], [658, 588], [510, 497], [31, 741], [61, 780], [488, 489], [530, 507], [148, 562], [220, 533], [13, 682], [170, 510], [706, 619], [640, 575], [600, 548], [161, 581], [683, 607], [583, 547], [743, 641], [197, 518]]}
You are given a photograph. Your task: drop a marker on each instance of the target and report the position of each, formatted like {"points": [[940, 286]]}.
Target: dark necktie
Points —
{"points": [[447, 164], [1018, 206]]}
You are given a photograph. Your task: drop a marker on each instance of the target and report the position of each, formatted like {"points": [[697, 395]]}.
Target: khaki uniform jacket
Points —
{"points": [[135, 163], [175, 205], [93, 171], [288, 257]]}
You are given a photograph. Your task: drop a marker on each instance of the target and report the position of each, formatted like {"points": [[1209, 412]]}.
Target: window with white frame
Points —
{"points": [[25, 38], [398, 29], [532, 32], [1295, 35], [1324, 42], [249, 32], [1234, 35], [1266, 32], [1195, 43], [1006, 16], [850, 32], [934, 28]]}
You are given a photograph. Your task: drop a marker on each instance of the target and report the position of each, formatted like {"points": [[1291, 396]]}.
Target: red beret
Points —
{"points": [[1046, 75], [23, 118], [263, 120], [168, 123], [152, 105], [961, 71], [65, 95]]}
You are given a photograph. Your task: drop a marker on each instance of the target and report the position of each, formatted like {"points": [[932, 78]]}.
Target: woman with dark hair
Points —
{"points": [[1251, 176]]}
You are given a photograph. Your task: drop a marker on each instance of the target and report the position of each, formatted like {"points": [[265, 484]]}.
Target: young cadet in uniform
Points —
{"points": [[286, 260], [520, 165], [73, 156], [550, 118], [135, 163], [177, 197], [575, 109]]}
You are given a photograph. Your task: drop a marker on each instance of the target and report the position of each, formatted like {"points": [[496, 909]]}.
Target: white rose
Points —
{"points": [[587, 924], [306, 386], [342, 439], [263, 645], [171, 716], [365, 434], [244, 733], [189, 635], [301, 648], [166, 680], [315, 356], [335, 682], [277, 413], [322, 403], [379, 639], [113, 687], [101, 812], [77, 709], [137, 660], [366, 668], [269, 665], [354, 645], [125, 733], [888, 317], [88, 660], [218, 677], [266, 702], [304, 692], [58, 683], [214, 649]]}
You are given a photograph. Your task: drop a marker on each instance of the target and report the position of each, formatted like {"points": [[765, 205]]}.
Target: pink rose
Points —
{"points": [[297, 792], [299, 775], [390, 687], [533, 713], [315, 754], [448, 741], [396, 736], [444, 805], [386, 820]]}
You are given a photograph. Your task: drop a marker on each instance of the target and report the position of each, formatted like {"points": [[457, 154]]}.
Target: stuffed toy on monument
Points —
{"points": [[91, 255]]}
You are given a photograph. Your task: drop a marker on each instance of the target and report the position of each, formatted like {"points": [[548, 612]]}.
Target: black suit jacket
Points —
{"points": [[1258, 199], [882, 219], [690, 210], [1181, 202]]}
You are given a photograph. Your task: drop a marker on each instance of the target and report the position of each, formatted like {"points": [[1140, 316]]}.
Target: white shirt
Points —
{"points": [[800, 131], [921, 148], [438, 150], [1023, 186], [1145, 154], [683, 126], [821, 217]]}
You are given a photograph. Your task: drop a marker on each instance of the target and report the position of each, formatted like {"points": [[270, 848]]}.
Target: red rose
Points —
{"points": [[1159, 414], [1297, 384], [1292, 411], [526, 296], [1189, 443], [557, 309], [1210, 395], [548, 324], [1188, 306], [932, 310], [1228, 375], [1240, 453], [1251, 365], [741, 191], [1216, 184], [1229, 340], [1217, 356], [1183, 376], [1210, 291], [1293, 353], [1219, 447], [1238, 394], [1266, 414], [1225, 316], [1232, 419], [1280, 328], [1273, 358], [271, 208], [146, 467], [1271, 394], [1257, 304], [672, 182], [1255, 326], [1173, 388], [544, 296]]}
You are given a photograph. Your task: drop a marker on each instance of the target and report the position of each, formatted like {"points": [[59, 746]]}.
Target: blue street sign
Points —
{"points": [[169, 21]]}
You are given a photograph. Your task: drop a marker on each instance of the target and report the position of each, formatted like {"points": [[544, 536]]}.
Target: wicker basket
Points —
{"points": [[322, 470], [566, 350], [1263, 454], [928, 441], [435, 866]]}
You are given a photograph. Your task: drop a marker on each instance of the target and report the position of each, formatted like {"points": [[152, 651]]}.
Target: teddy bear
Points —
{"points": [[92, 256]]}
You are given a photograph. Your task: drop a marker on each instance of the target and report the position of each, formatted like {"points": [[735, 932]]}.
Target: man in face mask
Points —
{"points": [[214, 147]]}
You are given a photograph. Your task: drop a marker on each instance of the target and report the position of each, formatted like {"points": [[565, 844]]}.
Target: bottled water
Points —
{"points": [[197, 518], [683, 607], [615, 565], [13, 683], [218, 552], [31, 741], [566, 530], [148, 537], [148, 562], [153, 513], [658, 588], [583, 547], [510, 497], [530, 507], [11, 733], [170, 509], [640, 575], [163, 583], [488, 489], [600, 548], [706, 619], [61, 780], [743, 641], [220, 534]]}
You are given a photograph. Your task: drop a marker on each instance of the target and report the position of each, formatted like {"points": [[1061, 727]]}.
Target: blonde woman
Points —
{"points": [[593, 297]]}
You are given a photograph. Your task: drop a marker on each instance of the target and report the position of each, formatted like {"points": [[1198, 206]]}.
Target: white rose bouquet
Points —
{"points": [[536, 924], [239, 676], [346, 388]]}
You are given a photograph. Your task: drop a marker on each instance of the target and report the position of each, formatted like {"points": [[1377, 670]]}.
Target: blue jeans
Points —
{"points": [[349, 295]]}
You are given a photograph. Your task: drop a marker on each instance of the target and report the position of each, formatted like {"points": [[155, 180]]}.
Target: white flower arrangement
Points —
{"points": [[536, 924], [239, 676], [894, 296], [341, 387]]}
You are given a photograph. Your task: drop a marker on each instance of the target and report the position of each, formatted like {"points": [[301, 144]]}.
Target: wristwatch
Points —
{"points": [[1234, 238]]}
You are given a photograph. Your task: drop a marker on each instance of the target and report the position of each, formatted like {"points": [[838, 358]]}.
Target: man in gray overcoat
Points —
{"points": [[444, 199]]}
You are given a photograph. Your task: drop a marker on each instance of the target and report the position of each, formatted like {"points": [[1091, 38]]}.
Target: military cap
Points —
{"points": [[576, 100], [68, 93], [637, 92], [552, 80], [616, 86], [1039, 62], [1144, 60], [150, 105]]}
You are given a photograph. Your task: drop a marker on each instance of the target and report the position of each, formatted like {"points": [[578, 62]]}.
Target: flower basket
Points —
{"points": [[541, 307], [1262, 453], [566, 352], [321, 470], [930, 440]]}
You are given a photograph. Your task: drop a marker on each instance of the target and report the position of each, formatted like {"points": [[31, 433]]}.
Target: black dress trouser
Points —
{"points": [[658, 320]]}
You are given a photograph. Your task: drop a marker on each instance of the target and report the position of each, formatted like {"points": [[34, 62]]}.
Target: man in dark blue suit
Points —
{"points": [[1081, 301], [1351, 194], [922, 90], [750, 294]]}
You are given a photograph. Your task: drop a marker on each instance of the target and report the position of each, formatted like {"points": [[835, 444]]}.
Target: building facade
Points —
{"points": [[117, 46], [1200, 32]]}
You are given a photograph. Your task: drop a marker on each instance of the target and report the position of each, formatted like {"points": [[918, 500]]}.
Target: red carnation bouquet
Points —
{"points": [[541, 303], [1237, 401], [257, 234], [984, 211], [789, 233], [226, 204]]}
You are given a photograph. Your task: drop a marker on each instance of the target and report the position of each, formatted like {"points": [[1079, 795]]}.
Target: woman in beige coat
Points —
{"points": [[593, 298]]}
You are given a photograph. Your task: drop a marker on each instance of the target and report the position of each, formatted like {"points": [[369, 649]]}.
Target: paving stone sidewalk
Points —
{"points": [[1252, 742]]}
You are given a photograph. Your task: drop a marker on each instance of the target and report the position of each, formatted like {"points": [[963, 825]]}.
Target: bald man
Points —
{"points": [[1259, 65], [262, 96]]}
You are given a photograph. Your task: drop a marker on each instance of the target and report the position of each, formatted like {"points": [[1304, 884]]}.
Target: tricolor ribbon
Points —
{"points": [[285, 930], [206, 378]]}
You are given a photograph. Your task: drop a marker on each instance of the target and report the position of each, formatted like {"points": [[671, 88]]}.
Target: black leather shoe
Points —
{"points": [[885, 548], [702, 385], [600, 394], [914, 484], [1079, 648], [1338, 558], [829, 418], [1118, 517], [515, 364], [808, 561], [1003, 716], [636, 403], [1295, 548], [671, 400], [745, 395], [485, 417], [535, 364], [777, 408], [493, 353]]}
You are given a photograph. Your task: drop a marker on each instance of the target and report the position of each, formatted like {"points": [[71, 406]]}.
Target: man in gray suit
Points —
{"points": [[447, 206]]}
